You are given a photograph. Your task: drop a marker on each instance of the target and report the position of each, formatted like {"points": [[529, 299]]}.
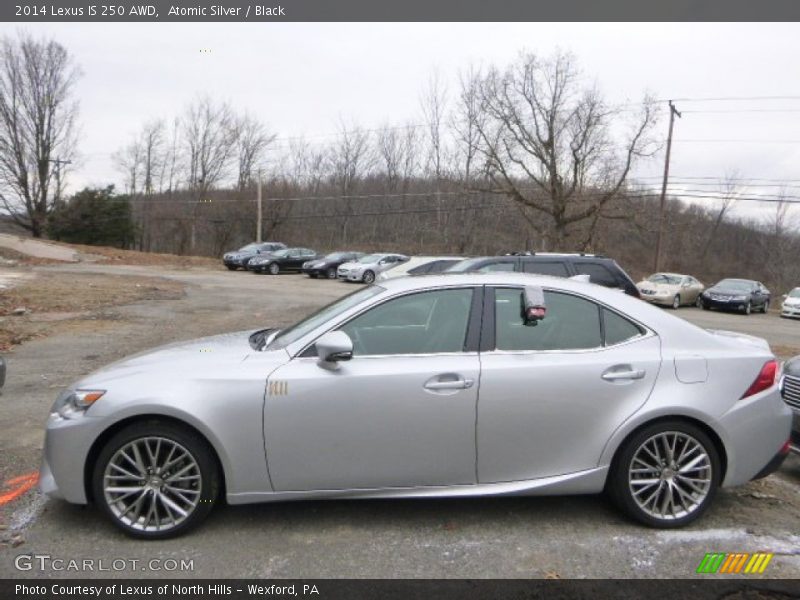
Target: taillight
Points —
{"points": [[765, 379]]}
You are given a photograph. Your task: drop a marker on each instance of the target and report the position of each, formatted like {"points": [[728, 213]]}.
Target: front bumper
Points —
{"points": [[67, 444], [657, 298], [790, 311], [794, 442], [721, 304], [350, 275]]}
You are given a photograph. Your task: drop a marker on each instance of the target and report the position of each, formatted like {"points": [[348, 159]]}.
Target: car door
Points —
{"points": [[400, 413], [552, 394]]}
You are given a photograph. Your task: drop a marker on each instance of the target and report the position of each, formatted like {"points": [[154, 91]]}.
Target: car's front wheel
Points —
{"points": [[368, 277], [666, 475], [274, 268], [231, 267], [156, 480], [676, 302], [748, 308], [765, 307], [331, 273]]}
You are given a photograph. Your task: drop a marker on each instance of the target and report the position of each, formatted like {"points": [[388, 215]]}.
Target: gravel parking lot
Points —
{"points": [[499, 537]]}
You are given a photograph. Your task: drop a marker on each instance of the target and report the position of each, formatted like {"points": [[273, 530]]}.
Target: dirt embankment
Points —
{"points": [[46, 303]]}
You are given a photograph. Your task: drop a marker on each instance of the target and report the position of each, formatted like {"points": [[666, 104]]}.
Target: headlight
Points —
{"points": [[71, 403], [740, 298]]}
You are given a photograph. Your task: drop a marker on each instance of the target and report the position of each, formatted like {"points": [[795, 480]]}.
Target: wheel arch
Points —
{"points": [[111, 430], [704, 427]]}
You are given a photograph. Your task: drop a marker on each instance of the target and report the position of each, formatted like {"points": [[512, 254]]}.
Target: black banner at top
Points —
{"points": [[398, 10]]}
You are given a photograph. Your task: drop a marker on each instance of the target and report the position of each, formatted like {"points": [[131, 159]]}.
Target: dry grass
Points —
{"points": [[81, 295]]}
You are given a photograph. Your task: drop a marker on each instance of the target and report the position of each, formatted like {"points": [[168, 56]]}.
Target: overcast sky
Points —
{"points": [[300, 79]]}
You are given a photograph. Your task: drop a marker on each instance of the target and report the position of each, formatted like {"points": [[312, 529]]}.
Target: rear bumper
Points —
{"points": [[775, 463]]}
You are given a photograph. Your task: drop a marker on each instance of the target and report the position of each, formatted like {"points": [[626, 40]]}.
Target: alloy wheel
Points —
{"points": [[152, 484], [369, 277], [676, 302], [274, 268], [670, 475]]}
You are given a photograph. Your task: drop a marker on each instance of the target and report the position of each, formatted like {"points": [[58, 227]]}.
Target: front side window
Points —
{"points": [[422, 323]]}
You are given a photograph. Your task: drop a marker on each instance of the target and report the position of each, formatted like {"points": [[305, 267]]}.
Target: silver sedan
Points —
{"points": [[447, 385]]}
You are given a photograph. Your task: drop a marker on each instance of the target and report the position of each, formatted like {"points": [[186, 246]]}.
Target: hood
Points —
{"points": [[727, 291], [352, 265], [193, 356], [658, 287]]}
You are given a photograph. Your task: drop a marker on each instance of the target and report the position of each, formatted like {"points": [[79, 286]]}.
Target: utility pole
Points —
{"points": [[258, 199], [672, 112], [58, 162]]}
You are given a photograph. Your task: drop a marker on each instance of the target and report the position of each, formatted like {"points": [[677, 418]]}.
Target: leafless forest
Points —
{"points": [[523, 156]]}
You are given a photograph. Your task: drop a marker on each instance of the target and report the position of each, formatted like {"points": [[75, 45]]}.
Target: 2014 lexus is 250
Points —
{"points": [[447, 385]]}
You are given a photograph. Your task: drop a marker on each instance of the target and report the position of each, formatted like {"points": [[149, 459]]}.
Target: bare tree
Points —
{"points": [[252, 142], [729, 193], [550, 145], [37, 126], [210, 138], [128, 161], [152, 141]]}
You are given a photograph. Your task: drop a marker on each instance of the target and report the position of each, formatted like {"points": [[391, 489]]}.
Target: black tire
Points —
{"points": [[748, 308], [192, 443], [676, 302], [619, 488], [699, 302], [703, 305], [765, 307], [232, 267], [274, 268], [331, 273], [368, 277], [312, 275]]}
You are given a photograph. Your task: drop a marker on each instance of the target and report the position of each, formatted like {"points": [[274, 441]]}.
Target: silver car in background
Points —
{"points": [[420, 265], [464, 384], [366, 268]]}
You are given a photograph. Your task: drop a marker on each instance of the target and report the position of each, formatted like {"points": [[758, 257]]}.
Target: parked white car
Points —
{"points": [[420, 265], [791, 304], [366, 268]]}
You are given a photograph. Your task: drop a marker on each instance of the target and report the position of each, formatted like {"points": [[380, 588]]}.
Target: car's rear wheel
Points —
{"points": [[331, 273], [676, 302], [368, 277], [666, 475], [274, 268], [156, 480]]}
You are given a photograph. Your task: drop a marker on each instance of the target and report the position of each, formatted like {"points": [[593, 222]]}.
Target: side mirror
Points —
{"points": [[533, 305], [333, 347]]}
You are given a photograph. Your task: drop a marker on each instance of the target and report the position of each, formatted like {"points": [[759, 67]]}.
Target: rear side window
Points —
{"points": [[572, 323], [497, 266], [559, 269], [618, 329], [597, 273]]}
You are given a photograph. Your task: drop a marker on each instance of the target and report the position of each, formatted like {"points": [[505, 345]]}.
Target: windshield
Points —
{"points": [[249, 248], [370, 258], [737, 285], [664, 278], [299, 329], [795, 293], [464, 265]]}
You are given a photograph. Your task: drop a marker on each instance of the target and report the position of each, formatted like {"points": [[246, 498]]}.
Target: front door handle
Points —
{"points": [[629, 374], [440, 383]]}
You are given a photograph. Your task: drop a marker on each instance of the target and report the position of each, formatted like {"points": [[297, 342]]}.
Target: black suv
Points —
{"points": [[600, 269]]}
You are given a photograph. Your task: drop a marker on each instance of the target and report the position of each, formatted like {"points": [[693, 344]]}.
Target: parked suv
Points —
{"points": [[600, 269]]}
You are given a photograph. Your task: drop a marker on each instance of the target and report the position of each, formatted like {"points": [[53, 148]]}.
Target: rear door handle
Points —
{"points": [[461, 383], [623, 375]]}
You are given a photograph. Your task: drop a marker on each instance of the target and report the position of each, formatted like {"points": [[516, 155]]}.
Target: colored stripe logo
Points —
{"points": [[736, 562]]}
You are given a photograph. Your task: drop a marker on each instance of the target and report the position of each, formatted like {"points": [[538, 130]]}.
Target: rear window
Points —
{"points": [[597, 273]]}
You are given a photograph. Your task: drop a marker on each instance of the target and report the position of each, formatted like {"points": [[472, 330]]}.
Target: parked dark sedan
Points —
{"points": [[280, 261], [2, 372], [743, 295], [790, 389], [241, 257], [327, 265]]}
